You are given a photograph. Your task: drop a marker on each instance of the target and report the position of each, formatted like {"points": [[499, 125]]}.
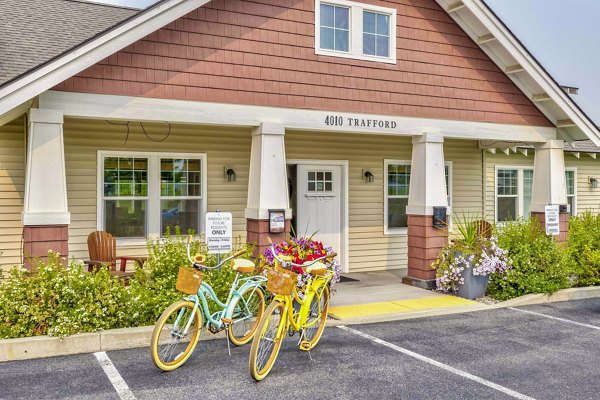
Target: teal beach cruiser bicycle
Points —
{"points": [[178, 329]]}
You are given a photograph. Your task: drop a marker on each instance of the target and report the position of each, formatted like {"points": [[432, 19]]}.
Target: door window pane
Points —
{"points": [[320, 181]]}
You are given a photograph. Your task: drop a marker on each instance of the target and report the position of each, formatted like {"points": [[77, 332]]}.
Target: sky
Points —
{"points": [[563, 35]]}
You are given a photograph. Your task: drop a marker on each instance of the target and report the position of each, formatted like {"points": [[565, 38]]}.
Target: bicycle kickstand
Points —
{"points": [[227, 324]]}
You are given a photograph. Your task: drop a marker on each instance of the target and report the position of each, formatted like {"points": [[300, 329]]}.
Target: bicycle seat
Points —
{"points": [[317, 268], [242, 265]]}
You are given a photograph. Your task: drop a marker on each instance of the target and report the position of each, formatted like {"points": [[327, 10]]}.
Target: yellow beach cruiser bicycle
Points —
{"points": [[291, 311]]}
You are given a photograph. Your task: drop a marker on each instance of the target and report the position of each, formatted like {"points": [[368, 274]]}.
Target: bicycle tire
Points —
{"points": [[318, 309], [161, 347], [265, 347], [241, 332]]}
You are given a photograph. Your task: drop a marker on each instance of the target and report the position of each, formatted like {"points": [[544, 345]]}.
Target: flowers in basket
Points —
{"points": [[302, 250], [472, 252]]}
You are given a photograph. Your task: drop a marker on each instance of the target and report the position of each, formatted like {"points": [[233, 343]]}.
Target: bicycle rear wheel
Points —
{"points": [[317, 317], [266, 344], [171, 345], [246, 316]]}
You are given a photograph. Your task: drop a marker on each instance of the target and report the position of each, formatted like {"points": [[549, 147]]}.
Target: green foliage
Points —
{"points": [[584, 248], [61, 301], [539, 265]]}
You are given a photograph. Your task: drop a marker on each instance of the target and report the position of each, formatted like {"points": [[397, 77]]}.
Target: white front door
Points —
{"points": [[319, 204]]}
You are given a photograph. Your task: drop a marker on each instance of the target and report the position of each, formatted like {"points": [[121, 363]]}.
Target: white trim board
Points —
{"points": [[85, 105], [476, 18], [345, 256], [32, 84]]}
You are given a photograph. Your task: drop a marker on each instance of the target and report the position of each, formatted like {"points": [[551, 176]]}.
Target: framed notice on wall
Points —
{"points": [[276, 221]]}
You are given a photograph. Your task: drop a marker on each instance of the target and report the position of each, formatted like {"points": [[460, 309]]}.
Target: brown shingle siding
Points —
{"points": [[262, 52]]}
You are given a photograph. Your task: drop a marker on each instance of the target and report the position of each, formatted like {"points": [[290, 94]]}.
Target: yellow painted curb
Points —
{"points": [[398, 306]]}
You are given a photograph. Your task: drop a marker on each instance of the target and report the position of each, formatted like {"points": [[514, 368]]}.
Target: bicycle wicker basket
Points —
{"points": [[281, 282], [189, 280]]}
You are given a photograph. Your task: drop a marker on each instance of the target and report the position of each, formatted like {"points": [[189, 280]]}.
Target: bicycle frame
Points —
{"points": [[226, 308], [297, 321]]}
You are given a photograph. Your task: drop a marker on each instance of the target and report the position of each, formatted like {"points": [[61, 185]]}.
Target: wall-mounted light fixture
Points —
{"points": [[367, 175], [230, 174], [593, 182]]}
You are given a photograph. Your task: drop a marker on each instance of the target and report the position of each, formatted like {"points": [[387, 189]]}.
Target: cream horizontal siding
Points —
{"points": [[12, 186], [587, 198], [369, 248], [83, 139], [467, 176]]}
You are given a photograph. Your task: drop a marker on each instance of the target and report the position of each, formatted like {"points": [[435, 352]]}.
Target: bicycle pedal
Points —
{"points": [[227, 321], [305, 346]]}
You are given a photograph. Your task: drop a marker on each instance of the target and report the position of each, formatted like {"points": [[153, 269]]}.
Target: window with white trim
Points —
{"points": [[143, 194], [571, 176], [355, 30], [397, 187], [514, 191]]}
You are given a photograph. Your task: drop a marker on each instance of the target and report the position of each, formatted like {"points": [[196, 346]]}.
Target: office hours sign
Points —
{"points": [[219, 228], [552, 220]]}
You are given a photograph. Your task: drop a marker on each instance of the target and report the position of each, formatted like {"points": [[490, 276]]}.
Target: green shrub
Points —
{"points": [[584, 248], [539, 264], [153, 288], [60, 301]]}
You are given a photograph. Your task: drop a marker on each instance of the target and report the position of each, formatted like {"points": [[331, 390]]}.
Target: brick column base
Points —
{"points": [[424, 244], [258, 233], [39, 239], [563, 219]]}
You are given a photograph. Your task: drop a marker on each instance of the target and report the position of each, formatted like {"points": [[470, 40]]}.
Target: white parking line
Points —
{"points": [[115, 378], [438, 364], [556, 318]]}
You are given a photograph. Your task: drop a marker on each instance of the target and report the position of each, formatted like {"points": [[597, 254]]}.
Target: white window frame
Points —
{"points": [[404, 231], [355, 25], [521, 189], [154, 196]]}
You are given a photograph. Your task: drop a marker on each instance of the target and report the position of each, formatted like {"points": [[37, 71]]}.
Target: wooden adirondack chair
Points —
{"points": [[102, 247]]}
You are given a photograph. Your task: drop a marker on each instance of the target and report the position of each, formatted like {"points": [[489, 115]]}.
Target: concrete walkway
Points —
{"points": [[380, 294]]}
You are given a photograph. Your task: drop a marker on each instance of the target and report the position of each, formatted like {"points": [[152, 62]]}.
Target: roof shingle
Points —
{"points": [[35, 31]]}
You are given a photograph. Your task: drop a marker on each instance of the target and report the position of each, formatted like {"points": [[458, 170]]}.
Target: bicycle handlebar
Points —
{"points": [[198, 264]]}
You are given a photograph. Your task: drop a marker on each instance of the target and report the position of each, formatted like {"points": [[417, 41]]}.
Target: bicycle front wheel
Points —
{"points": [[248, 310], [175, 335], [266, 344], [315, 322]]}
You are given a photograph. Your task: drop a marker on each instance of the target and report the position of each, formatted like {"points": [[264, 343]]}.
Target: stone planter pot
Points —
{"points": [[475, 285]]}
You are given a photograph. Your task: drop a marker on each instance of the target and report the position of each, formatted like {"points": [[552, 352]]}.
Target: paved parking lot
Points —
{"points": [[535, 352]]}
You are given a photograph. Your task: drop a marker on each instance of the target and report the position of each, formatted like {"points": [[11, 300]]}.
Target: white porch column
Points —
{"points": [[427, 190], [267, 185], [549, 184], [45, 213]]}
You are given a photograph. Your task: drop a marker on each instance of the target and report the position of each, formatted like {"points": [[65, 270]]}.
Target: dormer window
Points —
{"points": [[355, 30]]}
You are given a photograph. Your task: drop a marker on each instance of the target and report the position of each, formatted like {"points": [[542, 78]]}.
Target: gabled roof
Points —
{"points": [[474, 16], [503, 47], [27, 86], [35, 31]]}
